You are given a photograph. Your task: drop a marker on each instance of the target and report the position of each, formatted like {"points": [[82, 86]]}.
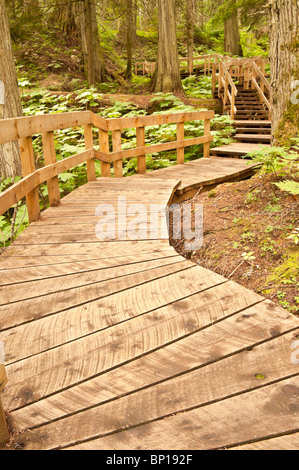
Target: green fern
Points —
{"points": [[289, 186]]}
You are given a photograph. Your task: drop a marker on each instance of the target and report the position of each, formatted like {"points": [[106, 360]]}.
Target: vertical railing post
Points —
{"points": [[104, 147], [116, 142], [180, 136], [214, 79], [28, 167], [226, 88], [232, 113], [207, 132], [220, 79], [141, 160], [50, 158], [4, 435], [91, 170]]}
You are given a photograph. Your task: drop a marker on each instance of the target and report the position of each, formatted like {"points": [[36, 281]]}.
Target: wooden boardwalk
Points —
{"points": [[124, 344]]}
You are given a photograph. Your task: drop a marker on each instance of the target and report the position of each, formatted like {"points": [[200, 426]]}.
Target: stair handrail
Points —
{"points": [[257, 73], [225, 79]]}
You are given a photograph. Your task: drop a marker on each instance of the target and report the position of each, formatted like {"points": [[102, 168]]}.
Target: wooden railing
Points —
{"points": [[23, 129], [260, 83], [247, 72], [188, 64], [227, 88]]}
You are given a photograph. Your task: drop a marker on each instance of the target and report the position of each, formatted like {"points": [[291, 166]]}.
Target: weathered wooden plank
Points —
{"points": [[32, 289], [20, 275], [287, 442], [81, 307], [235, 375], [84, 249], [268, 411], [90, 298], [175, 347]]}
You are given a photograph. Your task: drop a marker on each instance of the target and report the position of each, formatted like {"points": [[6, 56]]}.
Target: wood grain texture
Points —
{"points": [[126, 345]]}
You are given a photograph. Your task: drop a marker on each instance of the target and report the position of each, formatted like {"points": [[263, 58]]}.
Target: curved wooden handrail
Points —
{"points": [[225, 79], [24, 128]]}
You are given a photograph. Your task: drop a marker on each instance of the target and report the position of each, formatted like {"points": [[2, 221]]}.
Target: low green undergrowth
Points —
{"points": [[69, 142]]}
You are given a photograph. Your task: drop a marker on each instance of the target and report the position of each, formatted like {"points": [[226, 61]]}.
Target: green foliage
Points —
{"points": [[198, 87], [289, 186], [274, 159], [252, 45]]}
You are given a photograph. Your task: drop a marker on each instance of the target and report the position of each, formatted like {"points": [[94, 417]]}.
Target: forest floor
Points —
{"points": [[247, 228]]}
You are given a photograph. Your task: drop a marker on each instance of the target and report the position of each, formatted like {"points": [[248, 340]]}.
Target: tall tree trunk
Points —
{"points": [[190, 7], [232, 43], [10, 162], [129, 38], [167, 77], [67, 16], [284, 59], [92, 50]]}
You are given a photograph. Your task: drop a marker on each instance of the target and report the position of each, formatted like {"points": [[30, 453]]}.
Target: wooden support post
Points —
{"points": [[207, 132], [220, 80], [214, 79], [4, 435], [91, 169], [232, 112], [205, 67], [50, 157], [226, 89], [104, 147], [28, 167], [116, 142], [141, 161], [181, 136]]}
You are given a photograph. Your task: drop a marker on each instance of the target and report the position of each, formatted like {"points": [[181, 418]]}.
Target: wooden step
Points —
{"points": [[253, 130], [252, 117], [248, 123], [252, 137], [250, 108], [236, 150]]}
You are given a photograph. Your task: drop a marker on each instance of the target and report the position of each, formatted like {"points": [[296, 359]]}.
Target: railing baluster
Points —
{"points": [[180, 136], [91, 170], [104, 147], [28, 167], [116, 142], [50, 157], [207, 132], [141, 161]]}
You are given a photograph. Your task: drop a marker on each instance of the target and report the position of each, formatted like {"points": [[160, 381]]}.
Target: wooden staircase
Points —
{"points": [[250, 134], [252, 123], [249, 106], [244, 89]]}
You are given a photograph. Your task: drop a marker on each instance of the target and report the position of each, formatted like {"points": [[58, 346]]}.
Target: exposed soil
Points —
{"points": [[247, 226]]}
